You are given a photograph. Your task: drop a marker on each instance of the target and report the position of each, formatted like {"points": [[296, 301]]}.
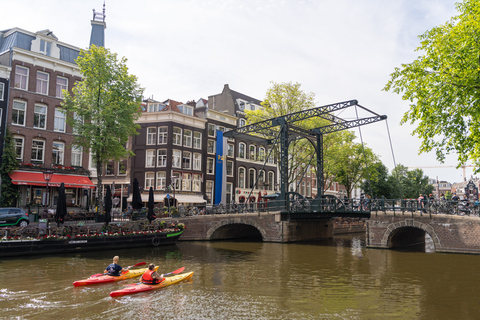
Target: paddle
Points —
{"points": [[166, 274], [102, 274]]}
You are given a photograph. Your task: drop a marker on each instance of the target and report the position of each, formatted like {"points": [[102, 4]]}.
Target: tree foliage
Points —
{"points": [[442, 86], [9, 192], [412, 182], [103, 107]]}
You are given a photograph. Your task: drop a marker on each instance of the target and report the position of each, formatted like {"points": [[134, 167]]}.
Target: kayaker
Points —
{"points": [[151, 276], [114, 269]]}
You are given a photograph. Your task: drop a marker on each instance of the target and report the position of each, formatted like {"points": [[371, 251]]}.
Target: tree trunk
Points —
{"points": [[99, 166]]}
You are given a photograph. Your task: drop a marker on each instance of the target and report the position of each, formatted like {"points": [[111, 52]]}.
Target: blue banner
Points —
{"points": [[220, 170]]}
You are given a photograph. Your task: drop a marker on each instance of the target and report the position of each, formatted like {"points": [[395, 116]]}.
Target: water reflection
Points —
{"points": [[332, 279]]}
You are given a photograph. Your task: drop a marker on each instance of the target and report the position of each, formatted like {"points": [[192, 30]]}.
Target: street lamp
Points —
{"points": [[47, 176]]}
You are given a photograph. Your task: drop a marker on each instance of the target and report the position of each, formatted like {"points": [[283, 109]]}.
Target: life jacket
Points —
{"points": [[147, 278]]}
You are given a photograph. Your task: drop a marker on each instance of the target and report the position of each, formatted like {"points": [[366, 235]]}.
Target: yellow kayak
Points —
{"points": [[106, 278], [141, 287]]}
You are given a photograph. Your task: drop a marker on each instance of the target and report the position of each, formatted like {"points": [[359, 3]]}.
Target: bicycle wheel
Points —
{"points": [[194, 211]]}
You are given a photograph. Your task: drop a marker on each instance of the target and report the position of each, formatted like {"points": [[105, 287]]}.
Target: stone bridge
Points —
{"points": [[449, 233], [267, 227]]}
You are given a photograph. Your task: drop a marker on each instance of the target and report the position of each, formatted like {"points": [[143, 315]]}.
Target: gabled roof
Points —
{"points": [[171, 105]]}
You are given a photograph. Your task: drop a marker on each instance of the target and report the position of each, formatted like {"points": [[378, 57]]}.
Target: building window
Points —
{"points": [[161, 157], [21, 77], [197, 161], [210, 166], [211, 130], [58, 152], [230, 149], [45, 47], [187, 160], [149, 180], [229, 192], [251, 178], [122, 167], [309, 189], [40, 117], [161, 180], [230, 168], [211, 146], [261, 179], [186, 182], [59, 121], [62, 84], [241, 150], [261, 154], [270, 158], [18, 142], [42, 82], [270, 181], [150, 159], [18, 112], [2, 90], [110, 169], [38, 148], [187, 138], [197, 140], [252, 152], [176, 182], [241, 123], [185, 109], [241, 177], [151, 136], [303, 191], [197, 183], [176, 158], [77, 156], [162, 135], [209, 191], [177, 136]]}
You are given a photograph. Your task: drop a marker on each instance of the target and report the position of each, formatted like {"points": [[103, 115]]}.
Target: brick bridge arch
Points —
{"points": [[235, 221], [393, 228]]}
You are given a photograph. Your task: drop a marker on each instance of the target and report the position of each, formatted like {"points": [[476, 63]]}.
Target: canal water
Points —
{"points": [[336, 279]]}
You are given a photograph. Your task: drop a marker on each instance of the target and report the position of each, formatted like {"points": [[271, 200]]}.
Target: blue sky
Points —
{"points": [[337, 49]]}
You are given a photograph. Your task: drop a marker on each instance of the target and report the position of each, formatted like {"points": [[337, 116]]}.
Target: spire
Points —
{"points": [[97, 36]]}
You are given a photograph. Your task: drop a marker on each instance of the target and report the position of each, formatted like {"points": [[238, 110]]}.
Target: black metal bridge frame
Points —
{"points": [[288, 131]]}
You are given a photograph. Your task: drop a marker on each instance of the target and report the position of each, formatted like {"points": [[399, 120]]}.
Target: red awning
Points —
{"points": [[36, 179]]}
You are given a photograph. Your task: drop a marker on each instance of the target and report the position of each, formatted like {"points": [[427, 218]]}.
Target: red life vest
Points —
{"points": [[147, 278]]}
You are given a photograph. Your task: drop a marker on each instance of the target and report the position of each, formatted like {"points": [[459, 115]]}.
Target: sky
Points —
{"points": [[336, 49]]}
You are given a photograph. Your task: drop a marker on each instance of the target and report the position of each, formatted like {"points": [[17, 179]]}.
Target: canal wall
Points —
{"points": [[450, 233]]}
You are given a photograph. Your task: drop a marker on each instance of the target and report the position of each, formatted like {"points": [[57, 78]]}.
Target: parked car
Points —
{"points": [[13, 217]]}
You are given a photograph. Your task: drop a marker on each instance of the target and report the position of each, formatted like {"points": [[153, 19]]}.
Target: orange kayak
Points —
{"points": [[106, 278]]}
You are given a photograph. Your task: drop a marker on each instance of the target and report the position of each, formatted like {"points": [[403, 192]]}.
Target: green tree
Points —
{"points": [[380, 183], [412, 182], [442, 86], [9, 192], [103, 107]]}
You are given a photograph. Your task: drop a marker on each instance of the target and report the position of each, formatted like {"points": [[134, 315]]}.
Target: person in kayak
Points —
{"points": [[114, 269], [151, 276]]}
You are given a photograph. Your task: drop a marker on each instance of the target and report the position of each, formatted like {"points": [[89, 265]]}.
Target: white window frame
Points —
{"points": [[150, 155], [230, 150], [197, 140], [177, 181], [2, 90], [38, 151], [19, 146], [251, 180], [110, 164], [45, 47], [18, 113], [252, 152], [229, 163], [261, 154], [162, 135], [21, 79], [210, 162], [271, 180], [209, 187], [38, 116], [187, 160], [161, 157], [123, 163], [61, 86], [186, 181], [241, 122], [176, 158], [197, 161], [241, 154], [149, 180], [241, 181], [42, 83], [212, 127], [211, 146], [77, 154], [151, 136], [161, 180], [58, 153], [60, 120], [197, 182], [177, 136], [187, 138]]}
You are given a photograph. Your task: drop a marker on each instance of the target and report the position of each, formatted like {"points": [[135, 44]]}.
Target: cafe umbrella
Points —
{"points": [[61, 205], [136, 197], [150, 215]]}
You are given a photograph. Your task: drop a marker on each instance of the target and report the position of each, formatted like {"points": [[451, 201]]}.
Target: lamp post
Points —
{"points": [[47, 176]]}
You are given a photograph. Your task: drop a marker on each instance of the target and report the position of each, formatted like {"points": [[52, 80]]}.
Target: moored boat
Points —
{"points": [[141, 287]]}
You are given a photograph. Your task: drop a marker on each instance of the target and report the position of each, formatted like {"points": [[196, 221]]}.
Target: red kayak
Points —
{"points": [[141, 287], [96, 279]]}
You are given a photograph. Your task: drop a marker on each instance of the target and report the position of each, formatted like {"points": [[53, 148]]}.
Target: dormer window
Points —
{"points": [[45, 47], [186, 109], [154, 107]]}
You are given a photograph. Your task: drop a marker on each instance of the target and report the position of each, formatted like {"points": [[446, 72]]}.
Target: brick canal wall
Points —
{"points": [[450, 233], [270, 227]]}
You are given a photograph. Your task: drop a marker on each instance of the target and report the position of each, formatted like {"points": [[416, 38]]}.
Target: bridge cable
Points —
{"points": [[394, 162]]}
